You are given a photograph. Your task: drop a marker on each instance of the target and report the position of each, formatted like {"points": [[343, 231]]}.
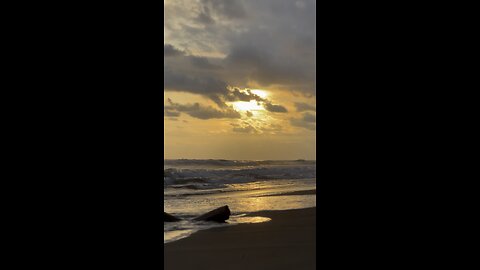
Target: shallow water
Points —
{"points": [[192, 188]]}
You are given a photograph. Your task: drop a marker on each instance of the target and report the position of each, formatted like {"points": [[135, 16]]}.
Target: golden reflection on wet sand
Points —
{"points": [[250, 220]]}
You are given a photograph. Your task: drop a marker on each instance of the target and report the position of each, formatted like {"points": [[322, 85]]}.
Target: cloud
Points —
{"points": [[275, 108], [197, 75], [215, 51], [254, 127], [169, 113], [272, 128], [201, 112], [265, 67], [226, 9], [203, 63], [304, 107], [244, 128], [307, 121], [269, 42], [309, 118], [184, 82], [171, 51], [204, 16]]}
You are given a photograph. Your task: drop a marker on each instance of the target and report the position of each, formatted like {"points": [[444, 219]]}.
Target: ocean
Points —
{"points": [[194, 187]]}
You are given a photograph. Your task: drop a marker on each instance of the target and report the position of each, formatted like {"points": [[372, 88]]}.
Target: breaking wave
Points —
{"points": [[211, 174]]}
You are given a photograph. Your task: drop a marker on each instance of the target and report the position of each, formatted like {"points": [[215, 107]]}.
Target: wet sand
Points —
{"points": [[286, 242]]}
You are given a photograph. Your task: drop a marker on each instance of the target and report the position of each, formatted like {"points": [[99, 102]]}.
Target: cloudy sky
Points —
{"points": [[239, 79]]}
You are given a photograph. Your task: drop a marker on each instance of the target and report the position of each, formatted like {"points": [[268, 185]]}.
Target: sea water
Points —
{"points": [[194, 187]]}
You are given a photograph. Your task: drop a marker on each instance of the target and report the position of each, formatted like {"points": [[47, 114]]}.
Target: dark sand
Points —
{"points": [[286, 242]]}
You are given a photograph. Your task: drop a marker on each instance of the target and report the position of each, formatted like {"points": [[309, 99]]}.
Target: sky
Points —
{"points": [[239, 79]]}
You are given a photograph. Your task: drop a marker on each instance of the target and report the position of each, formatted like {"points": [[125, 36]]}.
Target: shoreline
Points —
{"points": [[288, 241], [293, 193]]}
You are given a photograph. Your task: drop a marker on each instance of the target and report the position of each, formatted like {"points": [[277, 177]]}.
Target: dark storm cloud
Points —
{"points": [[265, 67], [201, 112], [275, 108], [170, 51], [237, 94], [197, 75], [217, 90], [203, 63], [271, 42], [202, 85]]}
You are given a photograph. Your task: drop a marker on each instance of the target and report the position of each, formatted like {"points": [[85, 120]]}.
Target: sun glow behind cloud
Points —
{"points": [[260, 93], [251, 105], [247, 106], [262, 53]]}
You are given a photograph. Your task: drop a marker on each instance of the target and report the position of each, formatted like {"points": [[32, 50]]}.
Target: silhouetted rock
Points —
{"points": [[169, 218], [218, 215]]}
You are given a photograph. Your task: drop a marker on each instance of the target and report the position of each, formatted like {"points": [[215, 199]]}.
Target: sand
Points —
{"points": [[286, 242]]}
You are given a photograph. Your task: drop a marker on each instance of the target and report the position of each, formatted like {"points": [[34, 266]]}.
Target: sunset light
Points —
{"points": [[234, 90], [247, 106], [260, 93], [240, 121]]}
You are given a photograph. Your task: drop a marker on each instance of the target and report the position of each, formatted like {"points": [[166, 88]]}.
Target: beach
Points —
{"points": [[240, 122], [288, 241]]}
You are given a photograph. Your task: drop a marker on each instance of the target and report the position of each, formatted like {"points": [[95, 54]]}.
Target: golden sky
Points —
{"points": [[239, 79]]}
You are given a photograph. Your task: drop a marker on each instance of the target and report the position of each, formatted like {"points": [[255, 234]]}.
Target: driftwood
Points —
{"points": [[218, 215]]}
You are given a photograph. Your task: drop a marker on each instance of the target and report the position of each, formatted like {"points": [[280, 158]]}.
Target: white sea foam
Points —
{"points": [[206, 174]]}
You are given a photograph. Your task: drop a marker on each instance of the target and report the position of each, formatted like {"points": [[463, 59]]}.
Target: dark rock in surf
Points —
{"points": [[218, 215], [169, 218]]}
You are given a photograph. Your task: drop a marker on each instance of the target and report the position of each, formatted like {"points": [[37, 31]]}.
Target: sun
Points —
{"points": [[251, 105], [247, 106], [260, 93]]}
